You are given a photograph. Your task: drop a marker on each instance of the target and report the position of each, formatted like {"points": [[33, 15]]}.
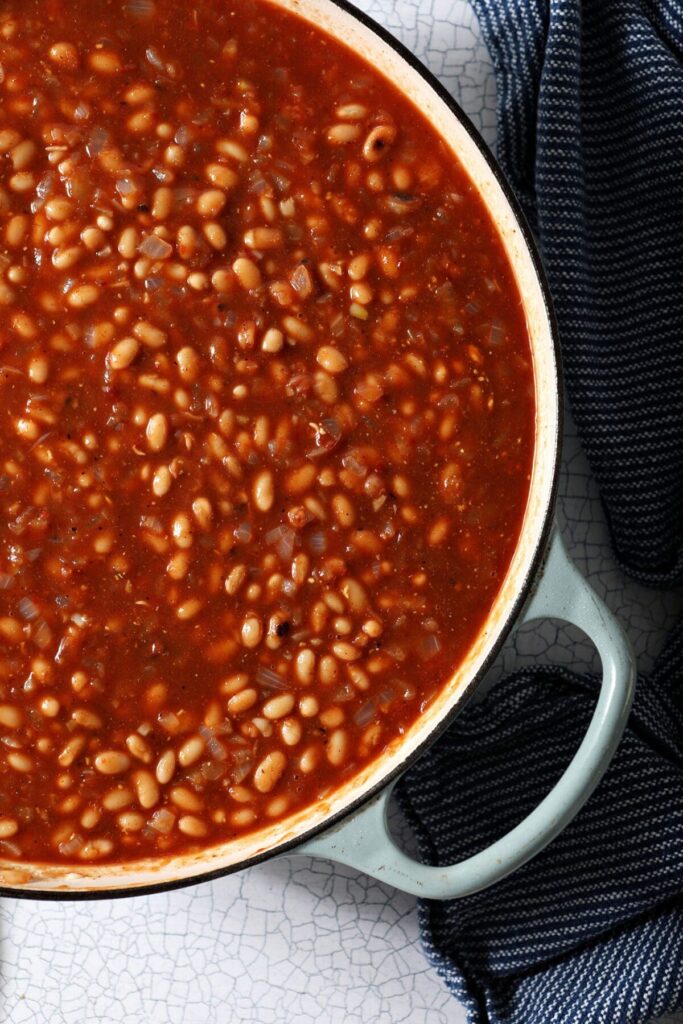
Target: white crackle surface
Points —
{"points": [[299, 941]]}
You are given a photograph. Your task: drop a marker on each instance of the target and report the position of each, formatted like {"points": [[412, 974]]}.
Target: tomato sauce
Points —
{"points": [[266, 428]]}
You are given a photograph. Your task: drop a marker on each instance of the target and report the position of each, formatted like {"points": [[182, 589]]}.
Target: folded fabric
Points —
{"points": [[590, 132], [591, 930]]}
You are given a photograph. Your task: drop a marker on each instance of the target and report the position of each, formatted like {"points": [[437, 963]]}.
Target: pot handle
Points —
{"points": [[363, 840]]}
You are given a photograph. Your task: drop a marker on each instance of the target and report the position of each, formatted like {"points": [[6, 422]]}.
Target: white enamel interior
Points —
{"points": [[365, 42]]}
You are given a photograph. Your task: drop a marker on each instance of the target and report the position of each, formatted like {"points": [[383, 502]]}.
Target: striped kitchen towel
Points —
{"points": [[590, 115], [591, 930], [590, 133]]}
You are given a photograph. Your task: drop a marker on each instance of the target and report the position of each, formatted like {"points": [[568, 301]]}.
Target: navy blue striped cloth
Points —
{"points": [[590, 133], [591, 930], [590, 113]]}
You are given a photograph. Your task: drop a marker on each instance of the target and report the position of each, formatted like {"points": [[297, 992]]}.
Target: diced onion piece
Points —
{"points": [[169, 721], [99, 138], [42, 634], [27, 609], [156, 248], [162, 821], [140, 9], [271, 680], [429, 646], [496, 333], [71, 846], [243, 533], [351, 463], [154, 59], [366, 712], [124, 186], [240, 772], [283, 538], [317, 542]]}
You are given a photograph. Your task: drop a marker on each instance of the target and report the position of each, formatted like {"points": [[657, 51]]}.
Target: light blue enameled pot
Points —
{"points": [[350, 825]]}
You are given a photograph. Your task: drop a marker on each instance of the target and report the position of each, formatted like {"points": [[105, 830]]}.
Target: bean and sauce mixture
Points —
{"points": [[266, 421]]}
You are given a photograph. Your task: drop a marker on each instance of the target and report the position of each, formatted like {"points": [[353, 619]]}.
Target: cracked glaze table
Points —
{"points": [[299, 941]]}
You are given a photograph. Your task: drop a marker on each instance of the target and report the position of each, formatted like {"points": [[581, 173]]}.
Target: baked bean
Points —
{"points": [[263, 238], [130, 821], [252, 631], [352, 111], [22, 181], [162, 203], [378, 141], [331, 359], [10, 716], [235, 150], [161, 481], [211, 202], [291, 731], [192, 826], [93, 238], [138, 747], [115, 799], [337, 746], [191, 751], [146, 789], [19, 761], [278, 707], [64, 55], [247, 273], [269, 771], [157, 431], [273, 340], [123, 354], [188, 363], [112, 762], [343, 510], [215, 236], [264, 491], [149, 335], [331, 717], [203, 513], [340, 134], [87, 718], [305, 666], [242, 818], [128, 243], [309, 760], [222, 280], [221, 176], [105, 62], [182, 531], [308, 706], [242, 701], [297, 329], [16, 230], [71, 750], [8, 828], [83, 295], [165, 768], [345, 651], [235, 579], [184, 798]]}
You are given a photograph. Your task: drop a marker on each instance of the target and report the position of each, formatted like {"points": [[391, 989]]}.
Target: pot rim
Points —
{"points": [[515, 606]]}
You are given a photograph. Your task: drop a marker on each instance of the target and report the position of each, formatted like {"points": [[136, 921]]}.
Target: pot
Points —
{"points": [[350, 825]]}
